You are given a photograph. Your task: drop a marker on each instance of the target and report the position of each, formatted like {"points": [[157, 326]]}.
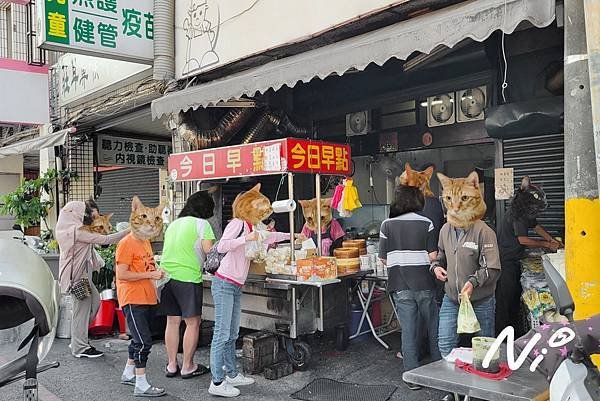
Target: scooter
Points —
{"points": [[571, 372], [28, 304]]}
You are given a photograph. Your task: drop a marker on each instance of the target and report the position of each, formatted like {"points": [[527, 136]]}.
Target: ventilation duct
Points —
{"points": [[164, 40], [530, 118]]}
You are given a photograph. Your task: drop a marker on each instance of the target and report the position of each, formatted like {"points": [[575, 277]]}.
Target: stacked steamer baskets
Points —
{"points": [[348, 257]]}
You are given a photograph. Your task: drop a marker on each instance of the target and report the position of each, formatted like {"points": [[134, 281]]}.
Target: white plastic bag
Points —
{"points": [[256, 251], [467, 320]]}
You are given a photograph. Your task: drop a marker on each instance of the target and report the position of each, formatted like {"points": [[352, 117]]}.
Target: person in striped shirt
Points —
{"points": [[407, 245]]}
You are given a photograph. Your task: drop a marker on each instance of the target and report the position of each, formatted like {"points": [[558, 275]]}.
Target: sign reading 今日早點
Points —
{"points": [[262, 158]]}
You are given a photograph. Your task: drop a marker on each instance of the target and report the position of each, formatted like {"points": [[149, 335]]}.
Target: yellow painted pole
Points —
{"points": [[582, 155]]}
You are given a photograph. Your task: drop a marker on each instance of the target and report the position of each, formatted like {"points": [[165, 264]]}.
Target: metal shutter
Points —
{"points": [[542, 158], [120, 186]]}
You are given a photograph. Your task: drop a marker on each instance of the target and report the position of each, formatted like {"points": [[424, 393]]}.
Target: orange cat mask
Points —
{"points": [[100, 225], [146, 223], [252, 206], [309, 210], [419, 179], [463, 200]]}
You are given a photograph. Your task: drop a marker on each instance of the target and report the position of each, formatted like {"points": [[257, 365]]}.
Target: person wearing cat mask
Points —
{"points": [[332, 233], [468, 260], [250, 209], [528, 203], [421, 179], [136, 272], [77, 260]]}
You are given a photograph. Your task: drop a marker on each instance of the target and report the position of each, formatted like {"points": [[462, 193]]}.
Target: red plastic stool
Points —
{"points": [[103, 322]]}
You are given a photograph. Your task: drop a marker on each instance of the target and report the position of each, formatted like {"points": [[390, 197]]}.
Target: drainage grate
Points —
{"points": [[331, 390]]}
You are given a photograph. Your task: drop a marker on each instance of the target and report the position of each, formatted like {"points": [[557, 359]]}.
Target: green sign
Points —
{"points": [[120, 29]]}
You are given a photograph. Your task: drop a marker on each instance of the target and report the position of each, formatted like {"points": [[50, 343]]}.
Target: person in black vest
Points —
{"points": [[528, 203]]}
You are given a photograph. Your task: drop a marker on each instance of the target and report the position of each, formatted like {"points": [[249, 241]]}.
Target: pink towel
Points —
{"points": [[337, 196]]}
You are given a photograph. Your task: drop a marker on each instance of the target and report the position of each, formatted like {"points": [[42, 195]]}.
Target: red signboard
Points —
{"points": [[262, 158]]}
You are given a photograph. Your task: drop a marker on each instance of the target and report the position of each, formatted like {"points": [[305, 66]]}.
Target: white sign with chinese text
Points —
{"points": [[119, 29], [130, 152], [81, 76], [504, 183], [212, 33], [272, 157]]}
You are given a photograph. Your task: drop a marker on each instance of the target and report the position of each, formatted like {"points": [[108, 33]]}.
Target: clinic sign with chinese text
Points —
{"points": [[118, 29], [262, 158], [129, 152]]}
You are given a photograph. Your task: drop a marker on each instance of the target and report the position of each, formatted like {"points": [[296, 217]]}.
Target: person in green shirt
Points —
{"points": [[186, 242]]}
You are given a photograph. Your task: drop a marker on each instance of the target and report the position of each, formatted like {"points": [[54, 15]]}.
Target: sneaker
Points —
{"points": [[223, 390], [412, 386], [90, 353], [239, 380], [151, 392]]}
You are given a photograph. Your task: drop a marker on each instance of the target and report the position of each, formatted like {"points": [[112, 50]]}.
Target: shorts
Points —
{"points": [[183, 299]]}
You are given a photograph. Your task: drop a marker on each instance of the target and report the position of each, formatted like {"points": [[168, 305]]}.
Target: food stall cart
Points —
{"points": [[291, 308]]}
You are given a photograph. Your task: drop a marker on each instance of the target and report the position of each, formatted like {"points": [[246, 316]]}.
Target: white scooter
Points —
{"points": [[576, 378]]}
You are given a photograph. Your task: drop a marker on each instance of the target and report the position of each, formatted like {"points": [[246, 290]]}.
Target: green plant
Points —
{"points": [[26, 203], [108, 255], [103, 278]]}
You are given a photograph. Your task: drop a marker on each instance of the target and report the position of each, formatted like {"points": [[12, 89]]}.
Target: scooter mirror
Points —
{"points": [[560, 291]]}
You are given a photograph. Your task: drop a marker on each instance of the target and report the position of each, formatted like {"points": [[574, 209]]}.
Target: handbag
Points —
{"points": [[214, 257], [81, 289]]}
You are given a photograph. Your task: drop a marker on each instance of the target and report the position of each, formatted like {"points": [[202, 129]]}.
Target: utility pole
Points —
{"points": [[582, 206]]}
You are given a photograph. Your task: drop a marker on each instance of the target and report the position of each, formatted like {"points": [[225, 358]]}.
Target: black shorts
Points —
{"points": [[181, 299]]}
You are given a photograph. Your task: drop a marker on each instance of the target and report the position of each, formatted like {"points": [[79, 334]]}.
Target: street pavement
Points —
{"points": [[364, 362]]}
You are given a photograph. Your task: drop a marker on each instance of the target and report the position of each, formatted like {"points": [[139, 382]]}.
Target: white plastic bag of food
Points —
{"points": [[256, 251]]}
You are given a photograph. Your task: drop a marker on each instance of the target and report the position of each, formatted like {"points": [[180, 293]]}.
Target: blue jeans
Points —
{"points": [[228, 310], [410, 305], [448, 338]]}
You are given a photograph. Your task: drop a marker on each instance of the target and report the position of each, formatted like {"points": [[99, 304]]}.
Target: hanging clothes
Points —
{"points": [[341, 210], [350, 198], [337, 196]]}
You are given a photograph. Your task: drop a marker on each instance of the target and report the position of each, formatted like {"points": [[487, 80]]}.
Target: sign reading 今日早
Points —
{"points": [[129, 152], [119, 29]]}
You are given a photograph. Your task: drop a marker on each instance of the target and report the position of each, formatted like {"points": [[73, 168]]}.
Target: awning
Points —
{"points": [[35, 144], [476, 19]]}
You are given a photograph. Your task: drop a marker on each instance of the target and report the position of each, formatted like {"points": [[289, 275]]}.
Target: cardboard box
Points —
{"points": [[316, 268], [257, 269]]}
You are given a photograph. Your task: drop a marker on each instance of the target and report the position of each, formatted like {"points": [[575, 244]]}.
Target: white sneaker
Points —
{"points": [[239, 380], [223, 390]]}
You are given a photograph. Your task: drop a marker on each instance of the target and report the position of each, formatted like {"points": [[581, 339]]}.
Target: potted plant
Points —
{"points": [[26, 205], [103, 279]]}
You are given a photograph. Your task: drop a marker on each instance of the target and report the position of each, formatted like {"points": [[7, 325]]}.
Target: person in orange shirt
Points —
{"points": [[136, 291]]}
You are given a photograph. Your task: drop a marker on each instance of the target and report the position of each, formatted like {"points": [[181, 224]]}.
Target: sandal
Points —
{"points": [[125, 337], [151, 392], [200, 370], [170, 374]]}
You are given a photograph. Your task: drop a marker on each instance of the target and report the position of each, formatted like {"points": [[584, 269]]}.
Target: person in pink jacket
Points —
{"points": [[249, 209]]}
